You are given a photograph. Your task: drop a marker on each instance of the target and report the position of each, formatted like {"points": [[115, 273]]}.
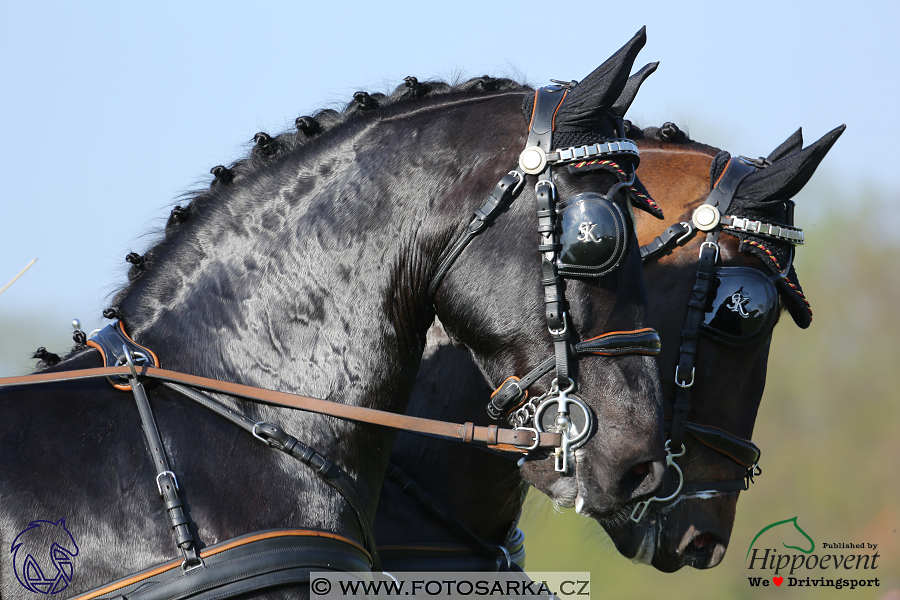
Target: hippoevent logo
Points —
{"points": [[810, 565], [43, 556]]}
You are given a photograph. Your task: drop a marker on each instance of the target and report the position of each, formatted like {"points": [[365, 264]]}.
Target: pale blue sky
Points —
{"points": [[109, 111]]}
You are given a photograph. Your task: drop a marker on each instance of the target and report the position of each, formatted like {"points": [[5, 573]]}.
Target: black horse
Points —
{"points": [[484, 491], [305, 268]]}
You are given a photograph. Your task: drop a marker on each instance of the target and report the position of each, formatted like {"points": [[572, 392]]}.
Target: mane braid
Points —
{"points": [[327, 126]]}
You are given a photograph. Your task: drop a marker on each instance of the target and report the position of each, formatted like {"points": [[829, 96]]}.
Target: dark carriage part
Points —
{"points": [[242, 565]]}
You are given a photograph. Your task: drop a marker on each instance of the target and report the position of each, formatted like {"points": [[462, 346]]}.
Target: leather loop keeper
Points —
{"points": [[492, 435], [174, 503], [508, 396], [469, 431], [179, 520]]}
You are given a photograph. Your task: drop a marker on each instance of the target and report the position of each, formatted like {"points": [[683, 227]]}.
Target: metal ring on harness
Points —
{"points": [[641, 508], [575, 432]]}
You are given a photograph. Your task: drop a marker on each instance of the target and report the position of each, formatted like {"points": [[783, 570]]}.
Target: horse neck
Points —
{"points": [[479, 487], [309, 274], [677, 176]]}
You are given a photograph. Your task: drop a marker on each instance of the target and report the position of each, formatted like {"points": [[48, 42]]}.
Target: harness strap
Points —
{"points": [[547, 101], [513, 391], [673, 237], [492, 435], [503, 193], [166, 482], [277, 438]]}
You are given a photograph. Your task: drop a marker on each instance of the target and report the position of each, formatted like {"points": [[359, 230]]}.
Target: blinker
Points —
{"points": [[744, 308], [593, 237]]}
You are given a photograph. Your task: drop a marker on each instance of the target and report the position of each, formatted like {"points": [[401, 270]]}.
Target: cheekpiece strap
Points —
{"points": [[547, 101]]}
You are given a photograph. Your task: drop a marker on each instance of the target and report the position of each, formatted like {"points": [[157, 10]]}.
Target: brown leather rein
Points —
{"points": [[510, 440]]}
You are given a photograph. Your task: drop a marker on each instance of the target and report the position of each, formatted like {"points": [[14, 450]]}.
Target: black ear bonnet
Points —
{"points": [[774, 254], [567, 137]]}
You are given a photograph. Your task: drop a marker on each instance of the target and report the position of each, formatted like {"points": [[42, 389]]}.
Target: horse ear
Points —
{"points": [[784, 178], [631, 89], [587, 104], [789, 146]]}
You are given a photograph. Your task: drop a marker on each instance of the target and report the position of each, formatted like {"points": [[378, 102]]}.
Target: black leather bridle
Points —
{"points": [[536, 159], [710, 218]]}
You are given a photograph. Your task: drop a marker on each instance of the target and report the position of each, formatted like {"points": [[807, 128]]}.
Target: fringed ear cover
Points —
{"points": [[761, 196], [588, 113]]}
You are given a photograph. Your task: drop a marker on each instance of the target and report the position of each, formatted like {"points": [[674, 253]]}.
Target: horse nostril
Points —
{"points": [[702, 541], [641, 469]]}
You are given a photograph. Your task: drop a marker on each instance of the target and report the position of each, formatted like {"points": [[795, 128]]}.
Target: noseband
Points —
{"points": [[568, 246], [726, 322]]}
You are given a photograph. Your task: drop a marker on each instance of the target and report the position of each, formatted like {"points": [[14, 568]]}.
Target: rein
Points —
{"points": [[493, 436]]}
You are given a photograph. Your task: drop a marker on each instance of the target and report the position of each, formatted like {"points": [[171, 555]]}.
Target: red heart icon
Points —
{"points": [[778, 580]]}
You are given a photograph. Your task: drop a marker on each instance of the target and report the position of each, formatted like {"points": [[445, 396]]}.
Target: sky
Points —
{"points": [[111, 111]]}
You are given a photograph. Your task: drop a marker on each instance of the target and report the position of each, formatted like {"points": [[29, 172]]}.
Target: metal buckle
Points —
{"points": [[564, 329], [520, 183], [690, 231], [537, 438], [259, 437], [159, 485], [685, 385], [549, 184], [185, 569], [714, 245]]}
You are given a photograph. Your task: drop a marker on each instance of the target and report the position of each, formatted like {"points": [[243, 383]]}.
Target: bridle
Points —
{"points": [[573, 419], [711, 218]]}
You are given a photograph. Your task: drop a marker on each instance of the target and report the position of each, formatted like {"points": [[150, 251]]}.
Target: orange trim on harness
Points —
{"points": [[121, 327], [213, 550]]}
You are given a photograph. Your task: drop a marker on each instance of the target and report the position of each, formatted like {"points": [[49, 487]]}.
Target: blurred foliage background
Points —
{"points": [[827, 426]]}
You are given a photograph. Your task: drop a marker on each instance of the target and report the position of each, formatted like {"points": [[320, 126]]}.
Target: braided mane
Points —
{"points": [[329, 126], [326, 126]]}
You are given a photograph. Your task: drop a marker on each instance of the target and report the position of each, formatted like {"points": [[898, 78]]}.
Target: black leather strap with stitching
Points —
{"points": [[503, 193], [674, 236], [514, 390], [280, 440]]}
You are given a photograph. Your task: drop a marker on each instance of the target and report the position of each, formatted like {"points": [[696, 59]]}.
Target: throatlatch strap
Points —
{"points": [[503, 193], [673, 237]]}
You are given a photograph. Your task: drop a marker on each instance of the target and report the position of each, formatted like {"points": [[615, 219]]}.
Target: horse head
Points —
{"points": [[753, 282], [619, 459]]}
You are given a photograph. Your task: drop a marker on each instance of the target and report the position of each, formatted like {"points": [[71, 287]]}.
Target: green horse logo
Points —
{"points": [[812, 544]]}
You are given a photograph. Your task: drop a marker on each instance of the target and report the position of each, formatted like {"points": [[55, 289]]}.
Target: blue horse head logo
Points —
{"points": [[43, 557]]}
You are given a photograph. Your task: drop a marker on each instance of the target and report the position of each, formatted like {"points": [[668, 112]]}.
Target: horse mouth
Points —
{"points": [[702, 550]]}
